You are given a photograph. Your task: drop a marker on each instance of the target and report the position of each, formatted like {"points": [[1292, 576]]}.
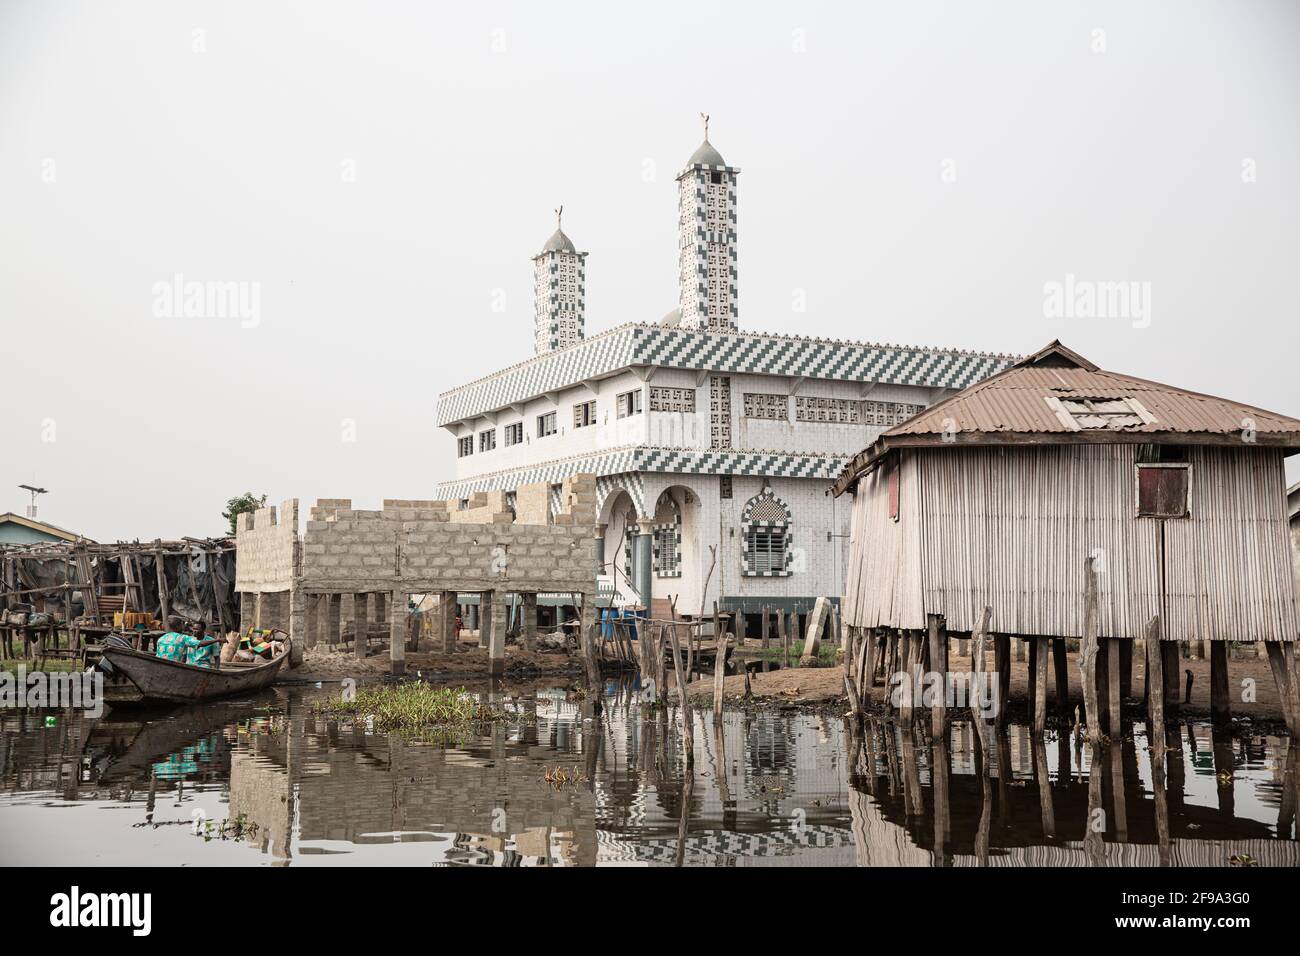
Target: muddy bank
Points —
{"points": [[468, 663], [823, 687]]}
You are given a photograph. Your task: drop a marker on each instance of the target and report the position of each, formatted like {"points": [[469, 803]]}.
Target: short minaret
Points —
{"points": [[559, 292], [706, 222]]}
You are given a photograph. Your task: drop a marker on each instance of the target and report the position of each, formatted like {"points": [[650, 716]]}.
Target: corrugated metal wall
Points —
{"points": [[1011, 526]]}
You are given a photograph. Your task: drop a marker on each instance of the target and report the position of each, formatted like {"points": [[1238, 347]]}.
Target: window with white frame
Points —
{"points": [[628, 404], [514, 433], [584, 414], [465, 446]]}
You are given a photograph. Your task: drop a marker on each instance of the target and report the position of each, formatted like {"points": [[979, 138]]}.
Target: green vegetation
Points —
{"points": [[52, 664], [826, 655], [241, 505], [412, 706]]}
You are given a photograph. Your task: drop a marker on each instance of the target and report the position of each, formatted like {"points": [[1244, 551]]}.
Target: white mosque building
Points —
{"points": [[714, 448]]}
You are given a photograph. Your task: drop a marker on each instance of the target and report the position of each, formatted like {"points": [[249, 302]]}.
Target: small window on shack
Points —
{"points": [[1163, 477], [891, 485], [1102, 412]]}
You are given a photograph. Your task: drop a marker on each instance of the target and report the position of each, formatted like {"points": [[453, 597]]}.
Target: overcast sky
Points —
{"points": [[380, 173]]}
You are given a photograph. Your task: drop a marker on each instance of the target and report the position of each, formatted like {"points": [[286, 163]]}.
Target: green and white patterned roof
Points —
{"points": [[637, 344]]}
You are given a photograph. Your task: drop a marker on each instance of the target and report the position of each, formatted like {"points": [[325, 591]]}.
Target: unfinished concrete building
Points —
{"points": [[354, 570]]}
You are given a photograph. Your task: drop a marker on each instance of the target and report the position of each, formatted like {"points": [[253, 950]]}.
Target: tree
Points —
{"points": [[242, 505]]}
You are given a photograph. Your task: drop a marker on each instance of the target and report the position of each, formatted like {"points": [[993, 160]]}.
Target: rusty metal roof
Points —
{"points": [[1056, 395]]}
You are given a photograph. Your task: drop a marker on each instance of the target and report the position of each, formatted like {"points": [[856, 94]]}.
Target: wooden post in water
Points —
{"points": [[679, 678], [1282, 664], [980, 685], [1002, 661], [1155, 692], [1113, 686], [1038, 653], [1031, 673], [765, 627], [1062, 670], [938, 634], [719, 663], [1170, 650], [1088, 650], [1220, 698], [905, 670], [1126, 669]]}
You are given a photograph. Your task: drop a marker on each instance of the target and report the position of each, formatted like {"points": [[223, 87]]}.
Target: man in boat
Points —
{"points": [[197, 648], [201, 650]]}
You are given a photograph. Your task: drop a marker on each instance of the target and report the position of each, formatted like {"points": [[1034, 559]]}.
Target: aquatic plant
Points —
{"points": [[412, 705]]}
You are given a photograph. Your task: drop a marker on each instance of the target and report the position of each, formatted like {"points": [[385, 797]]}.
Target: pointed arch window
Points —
{"points": [[766, 525]]}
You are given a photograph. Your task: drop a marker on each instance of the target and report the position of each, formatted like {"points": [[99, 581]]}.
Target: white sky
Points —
{"points": [[228, 165]]}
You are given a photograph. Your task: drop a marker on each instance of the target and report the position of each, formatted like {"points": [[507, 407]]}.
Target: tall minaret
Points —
{"points": [[706, 223], [559, 292]]}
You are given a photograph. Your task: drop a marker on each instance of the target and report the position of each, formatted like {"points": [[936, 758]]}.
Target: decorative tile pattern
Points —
{"points": [[665, 399], [620, 468], [718, 352], [811, 408], [719, 411], [769, 405]]}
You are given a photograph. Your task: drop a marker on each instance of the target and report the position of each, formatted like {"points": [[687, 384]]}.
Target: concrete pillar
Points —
{"points": [[334, 619], [315, 619], [257, 610], [298, 630], [360, 623], [600, 547], [485, 620], [495, 615], [643, 563], [396, 631], [380, 599], [529, 629], [447, 620], [247, 611]]}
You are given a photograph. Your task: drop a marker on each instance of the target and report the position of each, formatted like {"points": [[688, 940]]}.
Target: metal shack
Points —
{"points": [[998, 496]]}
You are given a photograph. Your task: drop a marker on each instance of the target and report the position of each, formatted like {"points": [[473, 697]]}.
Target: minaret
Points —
{"points": [[559, 292], [706, 222]]}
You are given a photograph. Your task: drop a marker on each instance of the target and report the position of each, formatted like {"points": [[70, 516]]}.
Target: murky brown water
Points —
{"points": [[269, 783]]}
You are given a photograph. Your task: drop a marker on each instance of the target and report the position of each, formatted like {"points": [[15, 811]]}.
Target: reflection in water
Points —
{"points": [[277, 784]]}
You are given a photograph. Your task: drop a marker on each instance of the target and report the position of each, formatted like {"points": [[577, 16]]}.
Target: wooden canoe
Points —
{"points": [[164, 681]]}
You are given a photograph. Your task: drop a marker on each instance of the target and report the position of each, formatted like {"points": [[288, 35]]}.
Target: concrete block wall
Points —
{"points": [[533, 503], [267, 549], [408, 546]]}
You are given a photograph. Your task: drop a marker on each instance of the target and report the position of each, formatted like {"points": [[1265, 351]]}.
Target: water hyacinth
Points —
{"points": [[412, 706]]}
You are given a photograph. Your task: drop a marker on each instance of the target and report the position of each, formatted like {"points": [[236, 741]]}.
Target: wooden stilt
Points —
{"points": [[980, 705], [1062, 677], [1155, 692], [1112, 685], [1088, 650], [1284, 677], [938, 634], [905, 674], [1170, 658], [1220, 703], [1126, 669], [1039, 655], [1002, 660], [1031, 672]]}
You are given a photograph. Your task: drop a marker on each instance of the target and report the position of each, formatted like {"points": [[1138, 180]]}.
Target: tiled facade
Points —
{"points": [[688, 422]]}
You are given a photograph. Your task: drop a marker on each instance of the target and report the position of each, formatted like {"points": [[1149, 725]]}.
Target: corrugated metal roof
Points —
{"points": [[1038, 400]]}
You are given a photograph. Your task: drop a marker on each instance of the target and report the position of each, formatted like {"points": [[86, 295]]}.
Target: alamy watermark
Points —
{"points": [[183, 298], [1089, 299], [978, 691], [75, 690]]}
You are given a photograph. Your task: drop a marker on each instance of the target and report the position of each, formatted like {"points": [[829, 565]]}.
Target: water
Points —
{"points": [[265, 781]]}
